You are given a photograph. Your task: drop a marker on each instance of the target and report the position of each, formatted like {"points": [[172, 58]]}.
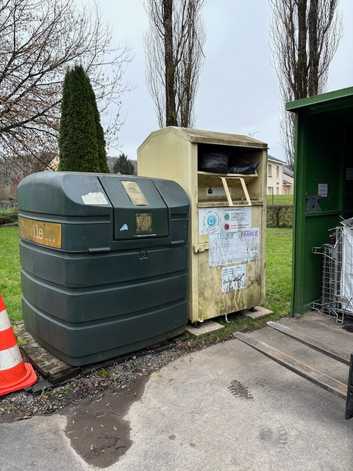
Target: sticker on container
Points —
{"points": [[233, 278], [94, 198], [40, 232], [236, 218], [322, 190], [135, 193], [233, 247], [212, 221], [143, 223], [209, 221]]}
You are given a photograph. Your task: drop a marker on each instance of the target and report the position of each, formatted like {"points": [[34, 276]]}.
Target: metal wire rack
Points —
{"points": [[336, 300]]}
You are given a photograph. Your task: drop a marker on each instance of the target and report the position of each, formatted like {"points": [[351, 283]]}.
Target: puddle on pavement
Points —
{"points": [[97, 429]]}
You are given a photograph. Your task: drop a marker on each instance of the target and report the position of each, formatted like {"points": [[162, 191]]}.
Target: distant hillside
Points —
{"points": [[111, 161]]}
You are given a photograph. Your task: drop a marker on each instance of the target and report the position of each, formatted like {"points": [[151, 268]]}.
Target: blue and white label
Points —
{"points": [[124, 227], [218, 220], [212, 220]]}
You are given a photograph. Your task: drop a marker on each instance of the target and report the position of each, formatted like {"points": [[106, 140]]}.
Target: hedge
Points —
{"points": [[280, 215], [8, 216]]}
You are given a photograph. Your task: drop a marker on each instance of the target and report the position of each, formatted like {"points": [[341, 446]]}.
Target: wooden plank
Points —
{"points": [[227, 192], [245, 190], [349, 401], [305, 371], [310, 342], [50, 367]]}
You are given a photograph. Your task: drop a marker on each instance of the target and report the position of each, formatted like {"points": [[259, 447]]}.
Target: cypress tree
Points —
{"points": [[102, 155], [123, 165], [81, 140]]}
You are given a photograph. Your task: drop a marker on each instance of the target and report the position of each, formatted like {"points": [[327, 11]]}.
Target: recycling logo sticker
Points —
{"points": [[212, 222]]}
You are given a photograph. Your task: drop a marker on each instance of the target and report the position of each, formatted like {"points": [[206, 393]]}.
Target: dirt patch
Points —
{"points": [[97, 428]]}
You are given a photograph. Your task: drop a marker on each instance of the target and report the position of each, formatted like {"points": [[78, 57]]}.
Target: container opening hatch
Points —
{"points": [[228, 159], [139, 210]]}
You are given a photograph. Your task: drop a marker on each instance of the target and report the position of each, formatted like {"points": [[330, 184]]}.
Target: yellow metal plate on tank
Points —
{"points": [[143, 223], [39, 232], [135, 193]]}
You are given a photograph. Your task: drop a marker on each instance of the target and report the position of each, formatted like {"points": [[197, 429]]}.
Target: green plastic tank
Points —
{"points": [[104, 262]]}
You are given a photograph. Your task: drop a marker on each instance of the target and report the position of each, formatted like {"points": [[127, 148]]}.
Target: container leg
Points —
{"points": [[349, 401]]}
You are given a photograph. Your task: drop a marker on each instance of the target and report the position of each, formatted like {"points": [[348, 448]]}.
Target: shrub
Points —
{"points": [[280, 216], [81, 140]]}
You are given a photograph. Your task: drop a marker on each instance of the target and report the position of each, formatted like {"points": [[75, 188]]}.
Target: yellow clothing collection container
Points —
{"points": [[228, 213]]}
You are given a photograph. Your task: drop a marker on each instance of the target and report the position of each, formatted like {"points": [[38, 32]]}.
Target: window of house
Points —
{"points": [[269, 170], [277, 170]]}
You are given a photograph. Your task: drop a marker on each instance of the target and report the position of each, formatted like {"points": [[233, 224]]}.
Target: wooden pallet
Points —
{"points": [[49, 366], [345, 391], [310, 342], [55, 371]]}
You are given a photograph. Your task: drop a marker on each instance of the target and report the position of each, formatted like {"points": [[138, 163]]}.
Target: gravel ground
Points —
{"points": [[91, 384]]}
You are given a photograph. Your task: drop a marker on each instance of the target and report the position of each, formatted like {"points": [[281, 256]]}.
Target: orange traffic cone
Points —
{"points": [[14, 373]]}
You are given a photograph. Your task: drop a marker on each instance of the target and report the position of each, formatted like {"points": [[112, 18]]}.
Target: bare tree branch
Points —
{"points": [[305, 36], [39, 40], [174, 52]]}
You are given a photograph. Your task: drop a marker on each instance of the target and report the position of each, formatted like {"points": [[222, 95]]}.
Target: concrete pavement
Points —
{"points": [[224, 408], [37, 444]]}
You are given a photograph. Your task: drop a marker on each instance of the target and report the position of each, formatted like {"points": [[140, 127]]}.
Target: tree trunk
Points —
{"points": [[301, 81], [170, 107], [313, 49], [306, 34], [174, 55]]}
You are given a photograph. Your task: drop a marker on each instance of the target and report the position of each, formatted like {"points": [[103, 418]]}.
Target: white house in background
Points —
{"points": [[279, 177], [288, 181]]}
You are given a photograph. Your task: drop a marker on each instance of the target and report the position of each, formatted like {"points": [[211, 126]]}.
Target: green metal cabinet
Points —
{"points": [[323, 183]]}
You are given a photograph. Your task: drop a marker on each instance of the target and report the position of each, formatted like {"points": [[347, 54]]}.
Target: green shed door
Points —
{"points": [[319, 196], [323, 184]]}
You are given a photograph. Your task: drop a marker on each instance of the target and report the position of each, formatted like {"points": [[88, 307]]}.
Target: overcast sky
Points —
{"points": [[238, 89]]}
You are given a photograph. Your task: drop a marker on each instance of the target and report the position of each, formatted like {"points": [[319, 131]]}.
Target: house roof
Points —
{"points": [[339, 98], [200, 136], [287, 171], [274, 159]]}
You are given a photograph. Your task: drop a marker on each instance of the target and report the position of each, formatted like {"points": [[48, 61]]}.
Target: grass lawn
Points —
{"points": [[278, 271], [280, 199], [10, 271]]}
